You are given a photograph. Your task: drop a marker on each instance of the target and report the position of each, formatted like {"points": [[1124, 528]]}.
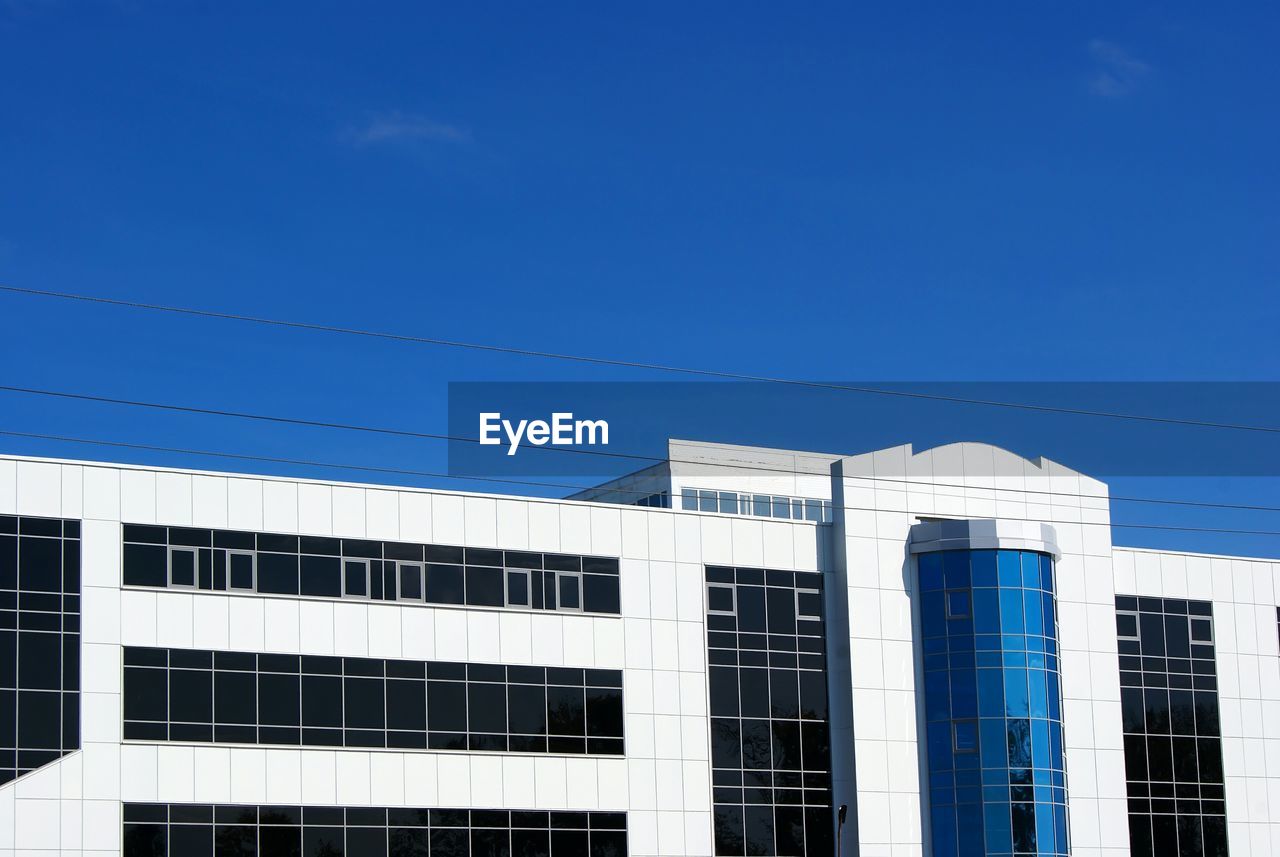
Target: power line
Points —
{"points": [[629, 364], [62, 394], [406, 472]]}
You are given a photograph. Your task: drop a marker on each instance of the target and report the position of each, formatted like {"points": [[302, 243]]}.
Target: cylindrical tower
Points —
{"points": [[992, 689]]}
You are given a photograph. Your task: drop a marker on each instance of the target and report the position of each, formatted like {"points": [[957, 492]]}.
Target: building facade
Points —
{"points": [[715, 655]]}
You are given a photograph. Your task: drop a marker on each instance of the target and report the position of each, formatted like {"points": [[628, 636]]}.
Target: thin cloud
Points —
{"points": [[406, 128], [1116, 72]]}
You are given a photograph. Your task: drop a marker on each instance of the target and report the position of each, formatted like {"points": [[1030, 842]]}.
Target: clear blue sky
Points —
{"points": [[1043, 191]]}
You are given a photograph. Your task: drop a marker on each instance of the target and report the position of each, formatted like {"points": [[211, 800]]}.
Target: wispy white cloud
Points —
{"points": [[1116, 73], [400, 127]]}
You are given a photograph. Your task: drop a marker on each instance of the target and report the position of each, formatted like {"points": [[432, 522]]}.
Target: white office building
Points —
{"points": [[723, 654]]}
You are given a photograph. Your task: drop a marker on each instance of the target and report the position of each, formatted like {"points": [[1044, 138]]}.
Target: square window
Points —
{"points": [[729, 502], [1202, 630], [720, 599], [708, 501], [958, 604], [689, 500], [808, 604], [760, 506]]}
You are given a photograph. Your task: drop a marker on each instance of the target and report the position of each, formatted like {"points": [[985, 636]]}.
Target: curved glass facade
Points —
{"points": [[993, 711]]}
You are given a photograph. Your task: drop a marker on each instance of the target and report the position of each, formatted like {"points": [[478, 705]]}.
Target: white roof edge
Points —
{"points": [[413, 489], [230, 474], [1273, 559]]}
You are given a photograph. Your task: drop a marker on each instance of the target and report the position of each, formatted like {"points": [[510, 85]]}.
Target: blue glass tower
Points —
{"points": [[993, 711]]}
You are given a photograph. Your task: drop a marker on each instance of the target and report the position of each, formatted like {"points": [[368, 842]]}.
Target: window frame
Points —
{"points": [[528, 588], [368, 582], [733, 591], [401, 565], [806, 616], [253, 569], [956, 749], [195, 567], [560, 576]]}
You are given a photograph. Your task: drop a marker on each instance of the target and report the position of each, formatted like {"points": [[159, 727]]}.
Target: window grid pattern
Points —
{"points": [[770, 741], [1172, 734], [993, 710], [200, 830], [756, 505], [318, 567], [39, 642], [247, 698]]}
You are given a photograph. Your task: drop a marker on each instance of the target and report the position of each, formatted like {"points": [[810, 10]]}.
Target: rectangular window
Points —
{"points": [[761, 506], [1169, 715], [570, 590], [355, 578], [964, 736], [411, 581], [708, 501], [40, 641], [689, 500], [271, 699], [326, 567], [182, 567], [191, 830], [958, 604], [729, 502], [241, 570], [770, 744], [517, 587]]}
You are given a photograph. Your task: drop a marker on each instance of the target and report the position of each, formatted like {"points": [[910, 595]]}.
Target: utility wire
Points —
{"points": [[630, 364], [62, 394], [405, 472]]}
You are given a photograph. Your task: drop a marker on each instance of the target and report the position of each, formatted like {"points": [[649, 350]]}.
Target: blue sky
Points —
{"points": [[1044, 191]]}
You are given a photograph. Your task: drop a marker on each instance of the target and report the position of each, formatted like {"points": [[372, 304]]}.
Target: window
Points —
{"points": [[1169, 715], [517, 587], [271, 699], [190, 830], [355, 578], [770, 748], [444, 584], [241, 570], [720, 599], [182, 567], [964, 736], [325, 567], [40, 641], [729, 502], [958, 604], [708, 501], [808, 604], [411, 585], [689, 500], [570, 590]]}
